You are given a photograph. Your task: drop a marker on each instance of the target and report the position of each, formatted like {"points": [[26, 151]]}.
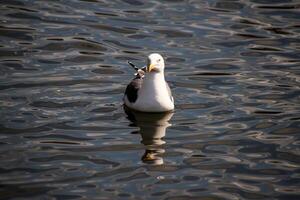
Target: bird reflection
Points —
{"points": [[153, 128]]}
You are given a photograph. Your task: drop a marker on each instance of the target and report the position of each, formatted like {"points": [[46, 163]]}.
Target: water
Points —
{"points": [[233, 67]]}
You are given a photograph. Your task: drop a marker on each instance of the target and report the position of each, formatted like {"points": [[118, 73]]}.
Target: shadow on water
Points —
{"points": [[152, 128], [233, 67]]}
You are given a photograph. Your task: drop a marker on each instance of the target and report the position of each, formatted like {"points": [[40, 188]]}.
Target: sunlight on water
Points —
{"points": [[233, 67]]}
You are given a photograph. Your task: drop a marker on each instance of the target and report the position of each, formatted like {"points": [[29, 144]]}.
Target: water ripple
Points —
{"points": [[233, 67]]}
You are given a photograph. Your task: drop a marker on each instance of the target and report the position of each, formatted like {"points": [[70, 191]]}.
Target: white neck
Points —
{"points": [[154, 81], [154, 76]]}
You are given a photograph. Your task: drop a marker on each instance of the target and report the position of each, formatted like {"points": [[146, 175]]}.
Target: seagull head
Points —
{"points": [[155, 63]]}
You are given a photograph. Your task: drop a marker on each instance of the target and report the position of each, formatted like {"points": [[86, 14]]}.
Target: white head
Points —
{"points": [[155, 63]]}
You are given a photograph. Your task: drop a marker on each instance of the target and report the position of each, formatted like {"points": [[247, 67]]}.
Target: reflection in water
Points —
{"points": [[233, 66], [153, 128]]}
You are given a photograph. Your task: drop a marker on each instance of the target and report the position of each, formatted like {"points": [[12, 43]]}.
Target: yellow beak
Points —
{"points": [[150, 67]]}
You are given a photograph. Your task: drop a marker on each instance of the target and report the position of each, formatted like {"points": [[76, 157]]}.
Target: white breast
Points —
{"points": [[153, 96]]}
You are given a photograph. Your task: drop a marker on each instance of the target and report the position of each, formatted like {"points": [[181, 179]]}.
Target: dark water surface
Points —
{"points": [[234, 69]]}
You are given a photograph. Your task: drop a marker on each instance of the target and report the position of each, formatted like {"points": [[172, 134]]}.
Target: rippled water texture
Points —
{"points": [[233, 67]]}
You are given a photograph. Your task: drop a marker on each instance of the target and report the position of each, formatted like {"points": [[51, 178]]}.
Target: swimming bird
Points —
{"points": [[149, 91]]}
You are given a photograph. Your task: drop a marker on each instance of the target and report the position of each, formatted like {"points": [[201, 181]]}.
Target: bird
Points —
{"points": [[149, 91]]}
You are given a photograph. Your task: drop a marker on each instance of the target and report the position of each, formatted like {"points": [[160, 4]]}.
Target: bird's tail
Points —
{"points": [[140, 72]]}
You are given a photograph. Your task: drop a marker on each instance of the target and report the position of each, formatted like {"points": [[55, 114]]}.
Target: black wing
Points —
{"points": [[132, 89]]}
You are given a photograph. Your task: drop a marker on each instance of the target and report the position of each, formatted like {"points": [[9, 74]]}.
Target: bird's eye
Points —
{"points": [[158, 60]]}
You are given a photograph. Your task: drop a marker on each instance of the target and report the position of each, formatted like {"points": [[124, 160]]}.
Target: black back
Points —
{"points": [[132, 89]]}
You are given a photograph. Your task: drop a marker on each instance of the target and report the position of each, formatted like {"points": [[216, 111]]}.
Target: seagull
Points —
{"points": [[149, 91]]}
